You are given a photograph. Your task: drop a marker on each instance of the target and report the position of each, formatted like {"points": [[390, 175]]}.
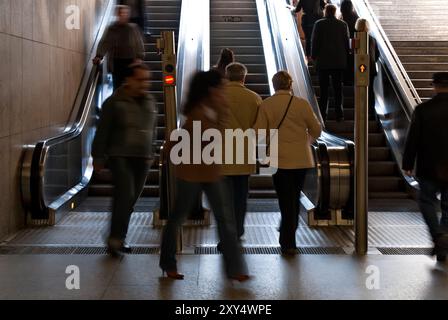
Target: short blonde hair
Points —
{"points": [[282, 81], [362, 25], [236, 71]]}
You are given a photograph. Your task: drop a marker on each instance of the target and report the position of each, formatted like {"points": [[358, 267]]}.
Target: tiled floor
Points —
{"points": [[274, 278]]}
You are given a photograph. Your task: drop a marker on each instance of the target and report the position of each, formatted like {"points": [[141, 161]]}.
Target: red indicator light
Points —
{"points": [[169, 80]]}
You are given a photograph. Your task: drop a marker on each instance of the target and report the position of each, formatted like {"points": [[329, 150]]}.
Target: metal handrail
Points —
{"points": [[194, 45], [35, 157]]}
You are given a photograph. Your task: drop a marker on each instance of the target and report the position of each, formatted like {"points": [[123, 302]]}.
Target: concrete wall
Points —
{"points": [[41, 65]]}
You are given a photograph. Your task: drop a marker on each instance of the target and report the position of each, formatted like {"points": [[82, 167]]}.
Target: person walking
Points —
{"points": [[243, 109], [330, 49], [427, 146], [205, 106], [124, 139], [297, 127], [123, 43]]}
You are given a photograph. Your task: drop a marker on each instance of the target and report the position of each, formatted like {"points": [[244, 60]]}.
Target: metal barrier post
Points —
{"points": [[362, 66], [166, 45]]}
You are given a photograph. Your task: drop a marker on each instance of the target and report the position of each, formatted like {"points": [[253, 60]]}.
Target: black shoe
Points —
{"points": [[114, 247], [219, 247], [441, 257], [125, 248]]}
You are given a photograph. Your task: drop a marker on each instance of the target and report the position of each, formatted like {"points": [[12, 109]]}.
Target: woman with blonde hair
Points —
{"points": [[297, 126]]}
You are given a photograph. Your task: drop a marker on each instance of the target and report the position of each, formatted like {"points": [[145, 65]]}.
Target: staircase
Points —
{"points": [[385, 181], [418, 31], [161, 15], [234, 25]]}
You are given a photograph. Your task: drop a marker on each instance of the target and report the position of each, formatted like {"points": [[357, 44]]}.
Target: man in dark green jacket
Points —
{"points": [[124, 138]]}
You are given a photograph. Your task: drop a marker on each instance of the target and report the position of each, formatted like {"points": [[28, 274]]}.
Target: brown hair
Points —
{"points": [[282, 81], [330, 11]]}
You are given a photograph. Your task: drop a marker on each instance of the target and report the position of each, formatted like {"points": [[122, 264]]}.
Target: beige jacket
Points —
{"points": [[243, 110], [298, 129]]}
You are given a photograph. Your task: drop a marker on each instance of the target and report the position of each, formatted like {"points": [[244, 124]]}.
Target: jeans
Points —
{"points": [[217, 194], [288, 184], [129, 177], [239, 191], [324, 82], [428, 205]]}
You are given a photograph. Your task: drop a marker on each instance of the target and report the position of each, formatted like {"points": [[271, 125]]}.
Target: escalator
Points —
{"points": [[251, 29], [161, 15], [385, 181], [235, 25]]}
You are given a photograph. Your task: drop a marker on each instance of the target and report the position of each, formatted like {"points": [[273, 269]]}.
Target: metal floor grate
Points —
{"points": [[200, 250], [19, 250], [274, 250], [405, 251]]}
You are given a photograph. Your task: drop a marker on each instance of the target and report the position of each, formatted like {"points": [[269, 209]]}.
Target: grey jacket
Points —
{"points": [[121, 42], [126, 128], [330, 44]]}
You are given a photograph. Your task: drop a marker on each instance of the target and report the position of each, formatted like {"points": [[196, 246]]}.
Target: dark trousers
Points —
{"points": [[429, 205], [288, 184], [324, 82], [372, 96], [308, 30], [307, 27], [239, 191], [218, 196], [119, 73], [129, 177]]}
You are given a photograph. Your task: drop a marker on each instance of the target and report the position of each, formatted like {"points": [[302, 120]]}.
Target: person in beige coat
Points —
{"points": [[243, 109], [298, 129]]}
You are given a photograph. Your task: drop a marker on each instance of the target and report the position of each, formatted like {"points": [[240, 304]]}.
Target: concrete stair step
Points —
{"points": [[424, 58], [425, 66], [420, 44], [421, 51]]}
